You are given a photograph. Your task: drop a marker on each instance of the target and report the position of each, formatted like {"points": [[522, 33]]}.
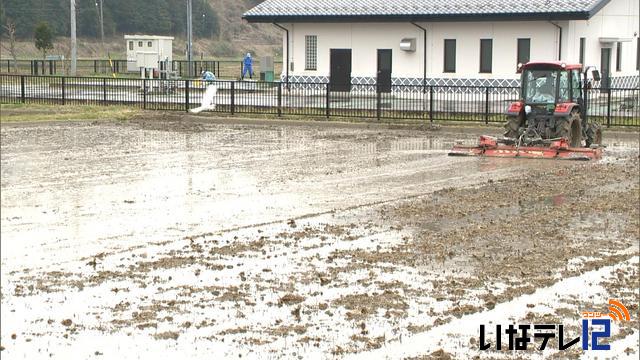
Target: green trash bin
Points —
{"points": [[266, 69]]}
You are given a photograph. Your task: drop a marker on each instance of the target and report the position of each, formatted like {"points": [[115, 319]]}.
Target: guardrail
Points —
{"points": [[610, 107]]}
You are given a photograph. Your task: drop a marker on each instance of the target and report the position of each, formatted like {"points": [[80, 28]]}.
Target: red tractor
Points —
{"points": [[549, 120]]}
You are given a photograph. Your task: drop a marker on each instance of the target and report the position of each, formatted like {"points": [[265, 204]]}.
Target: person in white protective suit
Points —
{"points": [[208, 98]]}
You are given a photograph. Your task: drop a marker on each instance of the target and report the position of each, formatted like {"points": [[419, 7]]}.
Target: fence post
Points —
{"points": [[104, 91], [144, 94], [22, 97], [279, 99], [486, 105], [63, 91], [585, 104], [430, 103], [327, 100], [95, 66], [378, 102], [233, 97], [186, 95], [609, 107]]}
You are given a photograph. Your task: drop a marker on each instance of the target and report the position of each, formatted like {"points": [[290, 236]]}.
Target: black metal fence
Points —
{"points": [[61, 67], [84, 67], [611, 107]]}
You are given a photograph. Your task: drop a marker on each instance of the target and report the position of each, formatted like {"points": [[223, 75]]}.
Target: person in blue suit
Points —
{"points": [[207, 76], [247, 66]]}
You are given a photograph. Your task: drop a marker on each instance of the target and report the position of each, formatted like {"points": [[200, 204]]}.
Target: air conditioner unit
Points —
{"points": [[408, 44]]}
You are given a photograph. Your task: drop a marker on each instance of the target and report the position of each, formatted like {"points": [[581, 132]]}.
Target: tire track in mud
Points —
{"points": [[460, 181]]}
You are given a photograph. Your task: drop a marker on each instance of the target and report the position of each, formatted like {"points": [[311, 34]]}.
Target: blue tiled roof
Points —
{"points": [[308, 10]]}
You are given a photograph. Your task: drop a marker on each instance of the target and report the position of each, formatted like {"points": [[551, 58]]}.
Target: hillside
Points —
{"points": [[232, 37]]}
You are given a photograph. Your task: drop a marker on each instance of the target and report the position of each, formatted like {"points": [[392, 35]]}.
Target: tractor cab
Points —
{"points": [[550, 83]]}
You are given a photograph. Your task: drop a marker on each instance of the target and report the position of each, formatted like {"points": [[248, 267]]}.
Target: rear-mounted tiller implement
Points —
{"points": [[506, 148]]}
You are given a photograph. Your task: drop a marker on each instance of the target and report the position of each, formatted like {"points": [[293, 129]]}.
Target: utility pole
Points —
{"points": [[101, 26], [74, 45], [189, 36]]}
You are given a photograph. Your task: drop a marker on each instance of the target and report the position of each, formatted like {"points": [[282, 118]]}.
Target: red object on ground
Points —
{"points": [[558, 149]]}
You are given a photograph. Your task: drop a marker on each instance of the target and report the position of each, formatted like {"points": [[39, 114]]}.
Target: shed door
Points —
{"points": [[384, 70], [340, 72]]}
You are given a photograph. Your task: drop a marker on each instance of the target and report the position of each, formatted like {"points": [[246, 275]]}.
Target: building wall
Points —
{"points": [[618, 19], [365, 38]]}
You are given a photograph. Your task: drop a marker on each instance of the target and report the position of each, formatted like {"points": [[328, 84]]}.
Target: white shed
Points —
{"points": [[147, 50]]}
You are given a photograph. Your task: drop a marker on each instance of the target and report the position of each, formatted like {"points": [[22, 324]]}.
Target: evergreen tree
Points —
{"points": [[43, 38]]}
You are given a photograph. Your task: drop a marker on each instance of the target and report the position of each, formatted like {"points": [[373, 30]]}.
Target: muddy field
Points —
{"points": [[170, 237]]}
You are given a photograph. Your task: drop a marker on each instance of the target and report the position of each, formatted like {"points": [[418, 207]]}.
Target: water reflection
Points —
{"points": [[74, 190]]}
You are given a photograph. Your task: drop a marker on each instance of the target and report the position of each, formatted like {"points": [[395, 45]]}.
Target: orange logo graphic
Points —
{"points": [[616, 314]]}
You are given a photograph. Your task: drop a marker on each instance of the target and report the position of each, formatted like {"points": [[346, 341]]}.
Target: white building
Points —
{"points": [[461, 42], [147, 50]]}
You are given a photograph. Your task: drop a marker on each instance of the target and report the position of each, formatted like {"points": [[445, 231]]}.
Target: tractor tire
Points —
{"points": [[594, 134], [571, 129], [512, 127]]}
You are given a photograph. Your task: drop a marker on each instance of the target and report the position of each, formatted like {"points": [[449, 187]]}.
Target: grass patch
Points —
{"points": [[36, 112]]}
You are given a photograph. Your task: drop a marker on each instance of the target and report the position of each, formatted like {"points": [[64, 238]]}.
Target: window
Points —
{"points": [[563, 89], [582, 40], [540, 86], [311, 52], [139, 43], [130, 45], [149, 44], [524, 51], [576, 85], [449, 55], [619, 57], [486, 54]]}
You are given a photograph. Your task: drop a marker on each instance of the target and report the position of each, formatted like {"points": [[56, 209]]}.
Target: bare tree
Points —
{"points": [[10, 29]]}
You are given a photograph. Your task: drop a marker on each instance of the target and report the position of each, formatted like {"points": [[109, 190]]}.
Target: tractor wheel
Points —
{"points": [[512, 127], [594, 134], [571, 129]]}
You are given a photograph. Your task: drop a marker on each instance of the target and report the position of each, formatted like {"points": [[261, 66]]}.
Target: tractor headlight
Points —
{"points": [[527, 109]]}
